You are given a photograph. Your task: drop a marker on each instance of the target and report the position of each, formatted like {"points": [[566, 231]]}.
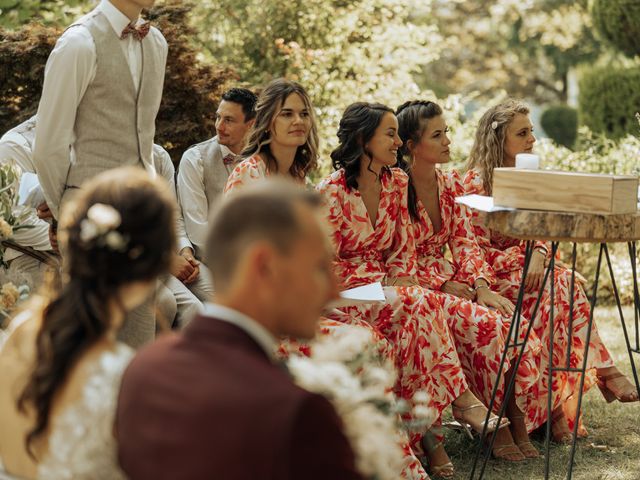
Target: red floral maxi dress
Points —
{"points": [[253, 170], [412, 318], [480, 333], [506, 257]]}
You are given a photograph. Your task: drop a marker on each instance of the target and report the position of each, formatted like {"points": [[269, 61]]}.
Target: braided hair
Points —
{"points": [[412, 122]]}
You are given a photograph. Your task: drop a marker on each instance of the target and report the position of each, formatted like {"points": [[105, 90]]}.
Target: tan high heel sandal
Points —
{"points": [[612, 391], [430, 445]]}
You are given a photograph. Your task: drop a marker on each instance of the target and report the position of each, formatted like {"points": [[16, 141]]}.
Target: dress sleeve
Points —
{"points": [[499, 259], [400, 259], [468, 257], [334, 211], [245, 173]]}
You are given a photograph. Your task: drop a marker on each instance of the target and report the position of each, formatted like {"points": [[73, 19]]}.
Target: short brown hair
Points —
{"points": [[262, 211]]}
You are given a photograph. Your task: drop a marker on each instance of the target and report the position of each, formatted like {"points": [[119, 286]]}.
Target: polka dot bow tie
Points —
{"points": [[138, 31]]}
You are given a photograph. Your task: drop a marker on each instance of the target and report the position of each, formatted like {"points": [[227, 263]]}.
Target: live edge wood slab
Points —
{"points": [[563, 226]]}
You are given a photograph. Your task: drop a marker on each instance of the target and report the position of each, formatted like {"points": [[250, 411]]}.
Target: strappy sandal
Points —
{"points": [[475, 425], [525, 446], [560, 428], [430, 445], [503, 452], [612, 390]]}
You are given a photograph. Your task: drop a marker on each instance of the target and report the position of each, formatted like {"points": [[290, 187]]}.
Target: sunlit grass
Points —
{"points": [[612, 450]]}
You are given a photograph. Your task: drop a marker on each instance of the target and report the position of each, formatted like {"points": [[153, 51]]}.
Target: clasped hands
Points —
{"points": [[185, 267], [482, 294]]}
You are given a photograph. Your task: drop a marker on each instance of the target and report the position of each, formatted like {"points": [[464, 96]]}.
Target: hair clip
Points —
{"points": [[494, 125], [100, 227]]}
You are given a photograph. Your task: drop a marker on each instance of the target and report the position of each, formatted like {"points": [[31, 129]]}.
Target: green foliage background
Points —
{"points": [[560, 122], [618, 21]]}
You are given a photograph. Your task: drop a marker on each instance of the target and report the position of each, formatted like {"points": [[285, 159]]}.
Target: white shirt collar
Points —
{"points": [[261, 335], [116, 18], [225, 151]]}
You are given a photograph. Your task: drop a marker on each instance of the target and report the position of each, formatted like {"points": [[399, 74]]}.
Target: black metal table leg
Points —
{"points": [[514, 332]]}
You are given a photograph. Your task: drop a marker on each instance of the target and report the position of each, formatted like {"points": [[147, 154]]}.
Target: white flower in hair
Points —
{"points": [[100, 225], [494, 125], [115, 241], [105, 217]]}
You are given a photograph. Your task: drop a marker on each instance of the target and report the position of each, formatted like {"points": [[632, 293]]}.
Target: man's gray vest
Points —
{"points": [[115, 125], [215, 172]]}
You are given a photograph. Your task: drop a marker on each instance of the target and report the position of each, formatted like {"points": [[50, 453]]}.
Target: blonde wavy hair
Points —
{"points": [[487, 152], [268, 106]]}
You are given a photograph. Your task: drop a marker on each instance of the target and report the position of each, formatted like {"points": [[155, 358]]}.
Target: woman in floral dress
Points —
{"points": [[463, 282], [504, 131], [284, 142], [366, 204]]}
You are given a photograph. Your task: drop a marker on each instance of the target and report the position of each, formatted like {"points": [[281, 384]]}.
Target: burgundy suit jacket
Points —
{"points": [[208, 404]]}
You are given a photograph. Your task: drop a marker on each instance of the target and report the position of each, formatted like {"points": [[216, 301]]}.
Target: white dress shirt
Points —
{"points": [[70, 69], [16, 148], [191, 195], [164, 167], [261, 335]]}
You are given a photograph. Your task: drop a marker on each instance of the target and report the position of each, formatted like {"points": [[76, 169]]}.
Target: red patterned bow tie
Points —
{"points": [[139, 31], [229, 159]]}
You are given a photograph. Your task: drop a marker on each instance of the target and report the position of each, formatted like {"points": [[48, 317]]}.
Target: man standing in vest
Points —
{"points": [[205, 167], [102, 90]]}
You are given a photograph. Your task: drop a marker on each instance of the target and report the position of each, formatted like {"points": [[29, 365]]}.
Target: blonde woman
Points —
{"points": [[504, 131]]}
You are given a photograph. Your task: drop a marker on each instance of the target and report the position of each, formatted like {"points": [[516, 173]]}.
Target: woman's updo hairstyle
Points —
{"points": [[119, 228], [357, 126]]}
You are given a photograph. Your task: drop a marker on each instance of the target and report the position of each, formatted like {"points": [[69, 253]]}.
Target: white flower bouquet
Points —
{"points": [[12, 215], [347, 369]]}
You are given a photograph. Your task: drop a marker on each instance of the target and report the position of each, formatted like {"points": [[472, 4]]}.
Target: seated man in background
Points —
{"points": [[212, 401], [189, 281], [205, 167], [29, 253]]}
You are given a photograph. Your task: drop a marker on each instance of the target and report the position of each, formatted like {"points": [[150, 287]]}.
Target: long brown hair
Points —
{"points": [[94, 269], [487, 152], [269, 104]]}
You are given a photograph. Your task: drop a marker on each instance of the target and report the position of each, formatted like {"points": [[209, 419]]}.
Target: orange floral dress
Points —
{"points": [[506, 257], [480, 333], [253, 170], [248, 171], [412, 319]]}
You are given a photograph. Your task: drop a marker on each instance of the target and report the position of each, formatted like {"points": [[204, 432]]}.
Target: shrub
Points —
{"points": [[618, 21], [560, 122], [609, 99]]}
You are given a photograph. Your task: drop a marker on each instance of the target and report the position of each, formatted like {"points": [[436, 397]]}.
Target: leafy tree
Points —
{"points": [[525, 48], [15, 13], [341, 51], [618, 21]]}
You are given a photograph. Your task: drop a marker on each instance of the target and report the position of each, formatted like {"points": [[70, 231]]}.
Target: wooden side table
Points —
{"points": [[556, 227]]}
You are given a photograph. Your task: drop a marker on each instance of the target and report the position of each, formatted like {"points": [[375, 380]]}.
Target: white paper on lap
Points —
{"points": [[481, 203], [366, 294]]}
